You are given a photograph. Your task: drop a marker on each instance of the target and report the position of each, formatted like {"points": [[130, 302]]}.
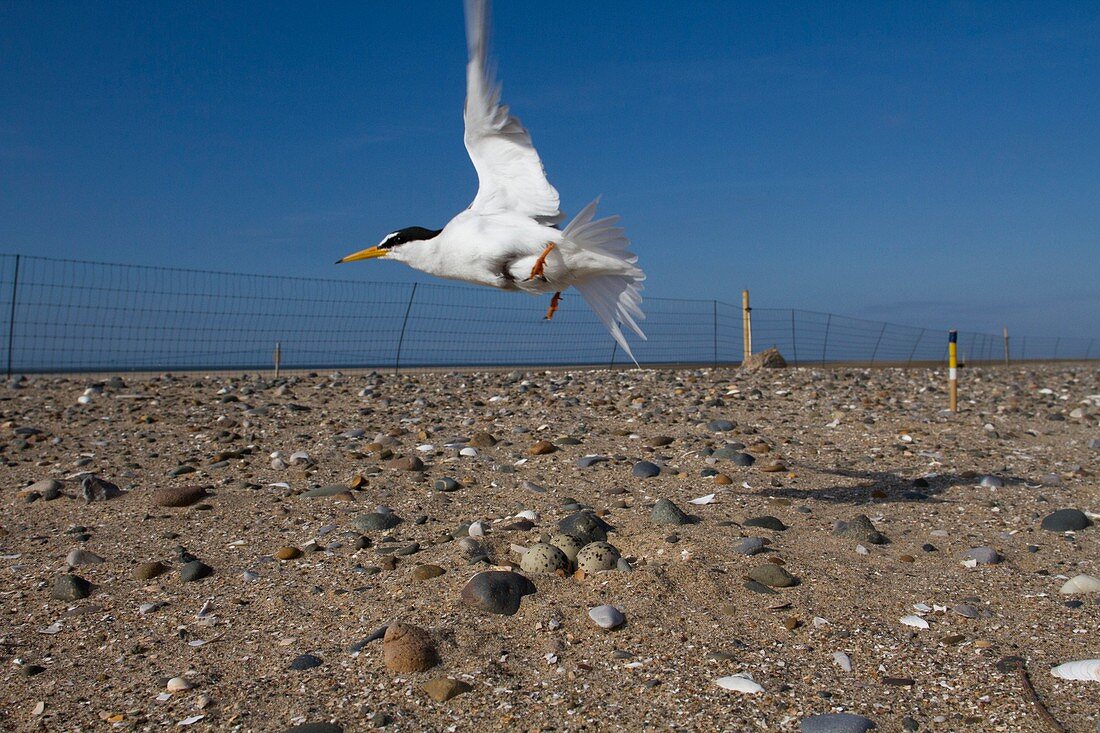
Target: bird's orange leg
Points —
{"points": [[553, 305], [540, 263]]}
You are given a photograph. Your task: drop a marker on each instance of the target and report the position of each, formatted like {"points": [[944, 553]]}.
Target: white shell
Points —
{"points": [[178, 684], [843, 661], [1087, 670], [737, 683], [915, 621], [426, 448], [1081, 584], [477, 529], [530, 514], [468, 452], [706, 499]]}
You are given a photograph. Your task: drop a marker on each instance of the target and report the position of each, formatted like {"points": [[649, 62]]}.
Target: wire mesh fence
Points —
{"points": [[77, 316]]}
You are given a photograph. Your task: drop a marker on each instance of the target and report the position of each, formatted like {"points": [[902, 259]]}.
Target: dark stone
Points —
{"points": [[585, 526], [860, 529], [376, 521], [1065, 520], [645, 469], [589, 461], [70, 588], [751, 545], [665, 512], [305, 661], [720, 426], [447, 484], [315, 728], [195, 570], [837, 723], [497, 591], [331, 490], [177, 496], [773, 576], [767, 522]]}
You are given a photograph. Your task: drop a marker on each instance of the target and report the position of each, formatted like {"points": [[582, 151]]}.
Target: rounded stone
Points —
{"points": [[195, 570], [447, 484], [585, 526], [542, 448], [772, 575], [751, 545], [407, 463], [376, 521], [497, 591], [287, 553], [720, 426], [568, 544], [607, 617], [766, 522], [665, 512], [1065, 520], [596, 557], [315, 728], [645, 469], [408, 648], [178, 496], [305, 661], [861, 529], [837, 723], [150, 570], [82, 557], [427, 572], [442, 689], [983, 555], [543, 558]]}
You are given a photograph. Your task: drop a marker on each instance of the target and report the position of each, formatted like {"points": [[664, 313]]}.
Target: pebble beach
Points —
{"points": [[796, 549]]}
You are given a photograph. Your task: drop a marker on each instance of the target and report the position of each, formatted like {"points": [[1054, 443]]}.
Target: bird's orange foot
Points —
{"points": [[540, 263], [553, 305]]}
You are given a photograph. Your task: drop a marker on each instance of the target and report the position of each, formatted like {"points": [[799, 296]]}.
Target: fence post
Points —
{"points": [[909, 363], [278, 357], [614, 348], [874, 352], [825, 341], [794, 340], [746, 326], [1006, 345], [714, 334], [401, 338], [11, 313]]}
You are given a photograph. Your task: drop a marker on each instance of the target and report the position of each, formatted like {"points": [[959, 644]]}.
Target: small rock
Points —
{"points": [[407, 463], [179, 496], [70, 588], [607, 617], [287, 553], [720, 426], [991, 482], [665, 512], [376, 521], [315, 728], [837, 723], [447, 484], [442, 689], [427, 572], [178, 684], [983, 555], [772, 575], [766, 522], [325, 491], [590, 461], [305, 661], [751, 545], [645, 469], [542, 448], [497, 591], [150, 570], [1064, 520], [195, 570], [82, 557], [408, 648], [585, 526], [860, 529]]}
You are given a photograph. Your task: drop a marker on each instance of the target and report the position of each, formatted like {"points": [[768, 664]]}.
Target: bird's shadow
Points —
{"points": [[880, 487]]}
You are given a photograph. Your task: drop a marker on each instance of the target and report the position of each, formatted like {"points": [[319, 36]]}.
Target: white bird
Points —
{"points": [[508, 237]]}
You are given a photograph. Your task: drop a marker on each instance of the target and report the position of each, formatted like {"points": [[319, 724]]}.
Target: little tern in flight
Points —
{"points": [[509, 237]]}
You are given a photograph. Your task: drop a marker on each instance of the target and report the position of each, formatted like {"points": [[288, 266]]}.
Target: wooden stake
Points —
{"points": [[1006, 345], [278, 357], [952, 368], [746, 324]]}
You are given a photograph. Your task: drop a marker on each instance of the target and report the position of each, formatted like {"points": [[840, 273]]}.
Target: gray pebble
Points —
{"points": [[984, 555], [70, 588], [751, 545], [665, 512], [645, 469], [195, 570], [766, 522], [861, 529], [1065, 520], [837, 723], [305, 661], [497, 591], [607, 617]]}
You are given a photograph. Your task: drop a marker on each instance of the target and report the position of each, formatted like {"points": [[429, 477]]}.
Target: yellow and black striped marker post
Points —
{"points": [[953, 368]]}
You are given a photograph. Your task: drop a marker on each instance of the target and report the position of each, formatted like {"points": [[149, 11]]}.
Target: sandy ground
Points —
{"points": [[849, 442]]}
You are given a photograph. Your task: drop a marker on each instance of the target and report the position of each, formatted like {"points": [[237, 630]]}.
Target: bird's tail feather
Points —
{"points": [[615, 298]]}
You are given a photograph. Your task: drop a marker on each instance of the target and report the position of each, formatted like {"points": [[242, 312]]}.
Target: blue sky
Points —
{"points": [[935, 164]]}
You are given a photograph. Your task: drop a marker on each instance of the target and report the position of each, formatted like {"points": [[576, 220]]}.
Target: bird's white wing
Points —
{"points": [[510, 174]]}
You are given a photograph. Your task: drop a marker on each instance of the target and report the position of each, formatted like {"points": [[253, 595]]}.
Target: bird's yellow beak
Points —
{"points": [[364, 254]]}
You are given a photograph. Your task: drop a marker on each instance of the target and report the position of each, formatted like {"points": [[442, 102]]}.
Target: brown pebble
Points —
{"points": [[773, 468], [542, 448], [150, 570], [177, 496], [723, 479], [288, 553], [427, 572], [407, 463], [792, 623], [408, 648], [442, 689], [906, 558]]}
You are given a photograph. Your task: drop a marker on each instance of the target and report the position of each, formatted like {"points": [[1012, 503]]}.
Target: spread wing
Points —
{"points": [[509, 171]]}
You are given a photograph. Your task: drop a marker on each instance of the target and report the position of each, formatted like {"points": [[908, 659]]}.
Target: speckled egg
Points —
{"points": [[541, 558], [568, 544], [597, 556]]}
